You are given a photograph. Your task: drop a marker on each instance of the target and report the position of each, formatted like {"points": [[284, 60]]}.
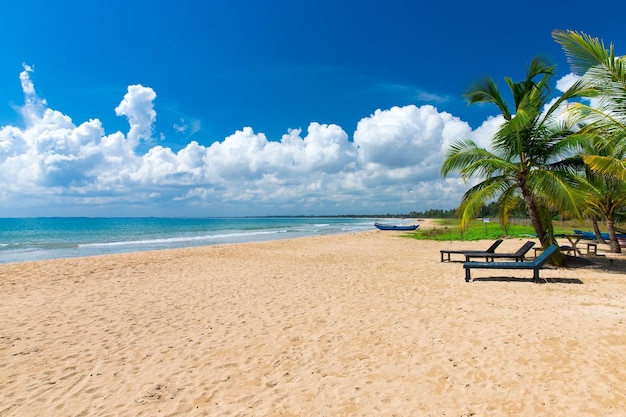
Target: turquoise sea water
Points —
{"points": [[33, 239]]}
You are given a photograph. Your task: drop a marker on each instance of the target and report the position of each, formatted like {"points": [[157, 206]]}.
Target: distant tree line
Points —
{"points": [[433, 214], [490, 210]]}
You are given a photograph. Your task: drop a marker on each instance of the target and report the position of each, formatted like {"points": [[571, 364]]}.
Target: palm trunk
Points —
{"points": [[536, 220], [596, 230], [542, 224], [613, 243]]}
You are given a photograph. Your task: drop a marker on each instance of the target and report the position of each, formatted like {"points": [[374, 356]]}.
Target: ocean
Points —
{"points": [[32, 239]]}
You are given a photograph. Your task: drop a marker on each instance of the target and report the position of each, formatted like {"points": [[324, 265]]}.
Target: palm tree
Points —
{"points": [[604, 78], [607, 193], [530, 156], [608, 197], [603, 135]]}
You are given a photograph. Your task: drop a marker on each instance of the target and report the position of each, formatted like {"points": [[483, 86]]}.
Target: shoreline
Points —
{"points": [[362, 323], [40, 239]]}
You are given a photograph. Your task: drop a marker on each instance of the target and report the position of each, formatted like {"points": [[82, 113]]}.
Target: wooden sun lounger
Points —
{"points": [[445, 254], [535, 265], [518, 256]]}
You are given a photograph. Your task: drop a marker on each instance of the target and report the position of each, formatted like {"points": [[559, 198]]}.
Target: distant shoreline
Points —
{"points": [[31, 239]]}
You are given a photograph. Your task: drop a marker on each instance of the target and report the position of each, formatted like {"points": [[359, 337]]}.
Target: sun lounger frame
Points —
{"points": [[447, 253], [535, 265], [519, 255]]}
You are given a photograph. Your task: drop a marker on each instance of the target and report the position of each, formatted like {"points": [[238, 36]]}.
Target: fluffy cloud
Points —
{"points": [[138, 108], [55, 167], [406, 143], [566, 82]]}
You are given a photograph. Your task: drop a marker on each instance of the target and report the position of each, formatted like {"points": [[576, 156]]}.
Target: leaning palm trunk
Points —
{"points": [[613, 242], [596, 230], [536, 221], [542, 223]]}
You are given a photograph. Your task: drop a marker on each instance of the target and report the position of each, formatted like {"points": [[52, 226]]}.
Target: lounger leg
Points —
{"points": [[536, 274], [467, 275]]}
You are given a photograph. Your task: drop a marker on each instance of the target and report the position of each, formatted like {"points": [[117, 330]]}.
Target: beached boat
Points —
{"points": [[396, 227]]}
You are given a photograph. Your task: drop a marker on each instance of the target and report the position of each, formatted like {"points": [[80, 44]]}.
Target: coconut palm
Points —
{"points": [[530, 154], [607, 193], [604, 132], [608, 197], [603, 75]]}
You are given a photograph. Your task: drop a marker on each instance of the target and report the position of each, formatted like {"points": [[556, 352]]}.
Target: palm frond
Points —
{"points": [[583, 51], [589, 56], [561, 189], [508, 201], [468, 159], [539, 66], [606, 165], [552, 143], [510, 139], [486, 91], [474, 199]]}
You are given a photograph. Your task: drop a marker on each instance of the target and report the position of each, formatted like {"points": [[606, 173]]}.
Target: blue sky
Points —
{"points": [[213, 108]]}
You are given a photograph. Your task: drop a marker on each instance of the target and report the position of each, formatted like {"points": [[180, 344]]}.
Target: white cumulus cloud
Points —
{"points": [[566, 82], [54, 166], [138, 107], [407, 143]]}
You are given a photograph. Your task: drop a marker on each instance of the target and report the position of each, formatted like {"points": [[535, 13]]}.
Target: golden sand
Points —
{"points": [[366, 324]]}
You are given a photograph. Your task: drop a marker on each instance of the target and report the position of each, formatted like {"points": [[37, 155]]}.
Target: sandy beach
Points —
{"points": [[365, 324]]}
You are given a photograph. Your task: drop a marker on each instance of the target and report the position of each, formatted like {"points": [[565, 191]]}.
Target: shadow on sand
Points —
{"points": [[611, 264], [542, 280]]}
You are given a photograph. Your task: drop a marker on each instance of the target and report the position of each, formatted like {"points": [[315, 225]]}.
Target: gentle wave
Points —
{"points": [[30, 239], [181, 239], [34, 246]]}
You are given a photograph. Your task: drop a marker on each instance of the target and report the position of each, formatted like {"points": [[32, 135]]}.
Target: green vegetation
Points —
{"points": [[602, 136], [477, 230], [433, 214]]}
